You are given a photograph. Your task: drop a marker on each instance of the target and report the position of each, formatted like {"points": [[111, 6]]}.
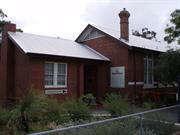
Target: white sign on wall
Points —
{"points": [[52, 92], [118, 77]]}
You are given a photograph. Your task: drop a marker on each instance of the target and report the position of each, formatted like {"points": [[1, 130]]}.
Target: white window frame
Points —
{"points": [[149, 85], [55, 85]]}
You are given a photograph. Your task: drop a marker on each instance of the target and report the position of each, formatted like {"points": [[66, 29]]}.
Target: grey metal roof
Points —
{"points": [[37, 44], [139, 42]]}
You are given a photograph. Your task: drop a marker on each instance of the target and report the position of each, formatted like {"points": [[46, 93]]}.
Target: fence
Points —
{"points": [[162, 121]]}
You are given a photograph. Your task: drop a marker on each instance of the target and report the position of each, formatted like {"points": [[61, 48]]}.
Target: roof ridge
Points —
{"points": [[96, 26]]}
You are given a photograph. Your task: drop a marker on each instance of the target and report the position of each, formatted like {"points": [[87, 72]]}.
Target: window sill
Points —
{"points": [[56, 87]]}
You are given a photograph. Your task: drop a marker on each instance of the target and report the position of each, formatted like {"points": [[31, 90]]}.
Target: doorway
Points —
{"points": [[90, 80]]}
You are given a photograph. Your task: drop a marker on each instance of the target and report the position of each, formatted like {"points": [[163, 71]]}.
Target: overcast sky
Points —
{"points": [[67, 18]]}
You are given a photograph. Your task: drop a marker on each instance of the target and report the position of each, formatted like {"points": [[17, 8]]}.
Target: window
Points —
{"points": [[55, 74], [148, 70]]}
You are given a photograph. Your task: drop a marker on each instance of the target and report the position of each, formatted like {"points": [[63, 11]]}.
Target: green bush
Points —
{"points": [[77, 110], [4, 115], [56, 113], [35, 111], [116, 105]]}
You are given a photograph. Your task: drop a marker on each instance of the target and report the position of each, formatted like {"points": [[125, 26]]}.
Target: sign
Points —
{"points": [[118, 77], [54, 92]]}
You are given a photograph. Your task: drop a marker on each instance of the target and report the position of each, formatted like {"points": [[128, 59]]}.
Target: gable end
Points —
{"points": [[90, 33]]}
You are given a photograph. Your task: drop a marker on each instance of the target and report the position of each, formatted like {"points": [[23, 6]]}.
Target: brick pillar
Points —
{"points": [[6, 62]]}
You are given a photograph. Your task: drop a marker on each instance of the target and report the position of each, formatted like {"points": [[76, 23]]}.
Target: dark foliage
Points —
{"points": [[173, 30]]}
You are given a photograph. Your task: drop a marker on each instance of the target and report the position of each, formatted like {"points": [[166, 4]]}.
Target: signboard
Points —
{"points": [[55, 92], [118, 77]]}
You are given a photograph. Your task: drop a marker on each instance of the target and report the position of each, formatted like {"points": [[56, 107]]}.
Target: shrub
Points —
{"points": [[89, 99], [77, 110], [35, 111], [56, 113], [126, 127], [4, 115], [147, 131], [116, 105], [158, 124]]}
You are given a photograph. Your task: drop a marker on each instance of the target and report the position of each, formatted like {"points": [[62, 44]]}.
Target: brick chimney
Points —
{"points": [[124, 24]]}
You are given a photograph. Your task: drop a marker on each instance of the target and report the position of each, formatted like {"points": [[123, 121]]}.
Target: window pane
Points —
{"points": [[61, 77], [61, 80], [61, 69], [49, 68], [49, 73], [48, 79]]}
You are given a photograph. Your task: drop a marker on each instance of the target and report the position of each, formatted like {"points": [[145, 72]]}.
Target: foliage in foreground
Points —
{"points": [[129, 126], [35, 110], [116, 104], [4, 115], [126, 127], [77, 110]]}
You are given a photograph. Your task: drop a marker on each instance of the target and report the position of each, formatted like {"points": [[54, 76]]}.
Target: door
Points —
{"points": [[90, 80]]}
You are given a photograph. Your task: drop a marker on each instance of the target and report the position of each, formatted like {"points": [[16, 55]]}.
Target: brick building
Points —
{"points": [[99, 61]]}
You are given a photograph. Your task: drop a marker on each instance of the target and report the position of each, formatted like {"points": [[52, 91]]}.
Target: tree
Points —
{"points": [[173, 31], [168, 68], [168, 71], [3, 16], [3, 20], [145, 33]]}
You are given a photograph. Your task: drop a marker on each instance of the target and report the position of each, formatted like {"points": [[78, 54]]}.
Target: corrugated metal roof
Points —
{"points": [[37, 44], [139, 42]]}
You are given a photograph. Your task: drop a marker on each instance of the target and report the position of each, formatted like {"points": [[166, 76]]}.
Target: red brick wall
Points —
{"points": [[6, 64], [136, 66], [29, 74], [26, 71], [75, 84], [75, 77], [103, 80], [135, 72], [22, 73], [119, 55], [116, 52]]}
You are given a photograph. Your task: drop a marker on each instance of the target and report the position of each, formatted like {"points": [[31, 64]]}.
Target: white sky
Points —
{"points": [[67, 18]]}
